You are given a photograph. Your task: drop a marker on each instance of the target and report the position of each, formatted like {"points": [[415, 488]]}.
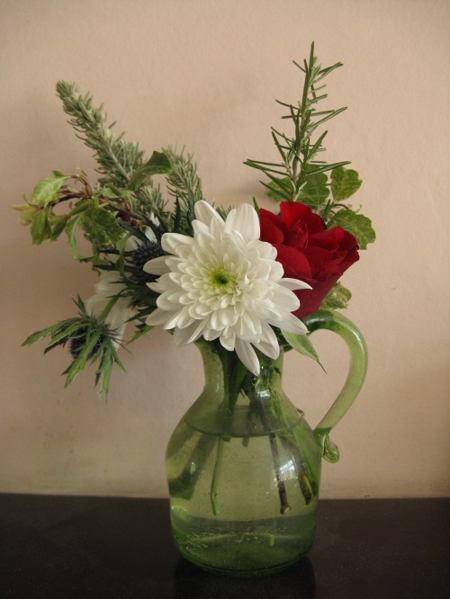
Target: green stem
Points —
{"points": [[234, 373], [183, 485], [274, 449], [308, 482], [216, 476], [261, 406], [284, 503], [107, 309]]}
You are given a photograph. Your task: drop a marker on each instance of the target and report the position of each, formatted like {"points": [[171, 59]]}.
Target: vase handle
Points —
{"points": [[336, 322]]}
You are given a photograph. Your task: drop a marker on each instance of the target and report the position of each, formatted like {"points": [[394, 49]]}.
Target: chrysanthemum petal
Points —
{"points": [[157, 266], [292, 324], [157, 286], [156, 318], [286, 299], [189, 334], [294, 284], [206, 213], [247, 356], [268, 336], [171, 242], [269, 350], [228, 341], [243, 219]]}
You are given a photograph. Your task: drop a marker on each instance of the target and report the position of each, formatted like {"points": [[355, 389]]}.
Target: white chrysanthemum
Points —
{"points": [[224, 283], [107, 287]]}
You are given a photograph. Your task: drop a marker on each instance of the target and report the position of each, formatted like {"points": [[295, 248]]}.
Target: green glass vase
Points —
{"points": [[244, 466]]}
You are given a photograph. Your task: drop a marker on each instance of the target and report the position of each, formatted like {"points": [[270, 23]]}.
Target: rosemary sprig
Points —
{"points": [[299, 164]]}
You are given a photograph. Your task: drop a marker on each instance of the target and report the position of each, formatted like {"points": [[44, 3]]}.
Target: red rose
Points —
{"points": [[308, 250]]}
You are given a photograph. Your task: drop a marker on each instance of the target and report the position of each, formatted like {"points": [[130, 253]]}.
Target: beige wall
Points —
{"points": [[205, 74]]}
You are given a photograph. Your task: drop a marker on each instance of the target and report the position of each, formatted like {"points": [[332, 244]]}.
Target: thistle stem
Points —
{"points": [[234, 373], [284, 504], [216, 476]]}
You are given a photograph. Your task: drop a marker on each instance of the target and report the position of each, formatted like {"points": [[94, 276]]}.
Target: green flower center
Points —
{"points": [[221, 279]]}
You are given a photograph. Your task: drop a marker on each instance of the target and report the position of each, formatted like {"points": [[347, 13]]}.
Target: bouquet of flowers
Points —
{"points": [[242, 278]]}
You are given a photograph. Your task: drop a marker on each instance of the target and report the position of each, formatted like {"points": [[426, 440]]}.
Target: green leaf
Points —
{"points": [[110, 191], [40, 335], [46, 191], [330, 115], [133, 231], [158, 164], [40, 227], [344, 183], [336, 299], [82, 206], [177, 217], [279, 189], [101, 226], [71, 230], [80, 362], [303, 345], [315, 191], [117, 359], [141, 331], [323, 168], [58, 226], [358, 225], [64, 334], [104, 371]]}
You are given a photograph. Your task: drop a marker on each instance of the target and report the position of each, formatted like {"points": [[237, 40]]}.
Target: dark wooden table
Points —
{"points": [[89, 547]]}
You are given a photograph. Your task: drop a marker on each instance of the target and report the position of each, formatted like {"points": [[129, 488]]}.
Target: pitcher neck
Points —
{"points": [[223, 369]]}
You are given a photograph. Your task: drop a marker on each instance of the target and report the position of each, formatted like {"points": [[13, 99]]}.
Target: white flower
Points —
{"points": [[107, 287], [224, 283]]}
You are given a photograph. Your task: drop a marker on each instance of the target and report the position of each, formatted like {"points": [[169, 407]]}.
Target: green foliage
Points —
{"points": [[303, 345], [121, 163], [125, 201], [71, 229], [183, 181], [299, 154], [91, 341], [101, 226], [300, 176], [315, 191], [40, 227], [46, 225], [116, 159], [141, 329], [356, 224], [344, 183], [184, 184], [158, 164], [58, 226], [46, 191], [279, 189], [337, 299]]}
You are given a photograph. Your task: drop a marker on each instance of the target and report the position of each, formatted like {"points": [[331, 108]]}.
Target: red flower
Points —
{"points": [[308, 250]]}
